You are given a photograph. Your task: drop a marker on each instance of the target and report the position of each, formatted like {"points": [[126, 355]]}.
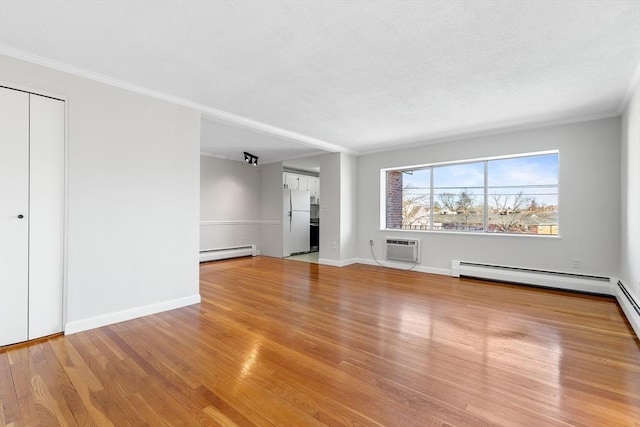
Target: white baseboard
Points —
{"points": [[132, 313], [627, 306], [337, 263], [406, 266]]}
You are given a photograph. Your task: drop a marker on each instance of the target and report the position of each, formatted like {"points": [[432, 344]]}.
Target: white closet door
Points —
{"points": [[46, 223], [14, 202]]}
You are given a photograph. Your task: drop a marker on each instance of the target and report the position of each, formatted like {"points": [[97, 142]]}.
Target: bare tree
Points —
{"points": [[412, 206], [449, 201], [512, 212], [464, 205]]}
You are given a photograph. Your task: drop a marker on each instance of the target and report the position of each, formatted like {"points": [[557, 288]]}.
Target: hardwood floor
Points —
{"points": [[286, 343]]}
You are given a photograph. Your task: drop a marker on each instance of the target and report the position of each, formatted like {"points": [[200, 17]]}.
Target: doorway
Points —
{"points": [[301, 209]]}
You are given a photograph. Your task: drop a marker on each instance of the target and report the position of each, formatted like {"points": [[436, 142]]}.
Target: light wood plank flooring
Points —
{"points": [[285, 343]]}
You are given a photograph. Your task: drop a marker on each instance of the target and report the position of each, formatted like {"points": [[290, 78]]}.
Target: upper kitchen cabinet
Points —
{"points": [[314, 186], [292, 181], [303, 182], [287, 181], [296, 181]]}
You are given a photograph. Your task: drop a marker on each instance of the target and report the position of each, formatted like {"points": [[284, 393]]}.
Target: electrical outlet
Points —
{"points": [[333, 245], [371, 242], [575, 263], [242, 240]]}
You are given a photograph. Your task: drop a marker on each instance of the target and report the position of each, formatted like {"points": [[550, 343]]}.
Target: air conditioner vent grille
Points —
{"points": [[401, 242], [407, 250]]}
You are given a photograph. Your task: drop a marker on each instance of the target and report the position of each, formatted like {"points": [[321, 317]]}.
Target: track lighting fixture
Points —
{"points": [[250, 159]]}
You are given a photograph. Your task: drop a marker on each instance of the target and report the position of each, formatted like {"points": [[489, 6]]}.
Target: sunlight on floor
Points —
{"points": [[310, 257]]}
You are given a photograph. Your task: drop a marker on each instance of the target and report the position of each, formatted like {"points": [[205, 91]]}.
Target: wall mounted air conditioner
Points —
{"points": [[407, 250]]}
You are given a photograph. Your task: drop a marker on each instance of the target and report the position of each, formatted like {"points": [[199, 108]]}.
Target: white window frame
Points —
{"points": [[486, 160]]}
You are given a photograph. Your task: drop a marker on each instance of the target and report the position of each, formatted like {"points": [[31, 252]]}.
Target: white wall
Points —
{"points": [[348, 208], [630, 169], [330, 209], [338, 177], [271, 209], [230, 209], [133, 179], [589, 201]]}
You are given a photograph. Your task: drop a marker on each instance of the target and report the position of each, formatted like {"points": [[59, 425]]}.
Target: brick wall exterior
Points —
{"points": [[394, 199]]}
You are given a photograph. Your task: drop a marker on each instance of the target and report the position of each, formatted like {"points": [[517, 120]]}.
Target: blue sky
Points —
{"points": [[503, 173]]}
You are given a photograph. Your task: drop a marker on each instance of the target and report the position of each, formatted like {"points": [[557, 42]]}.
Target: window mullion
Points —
{"points": [[485, 215], [431, 202]]}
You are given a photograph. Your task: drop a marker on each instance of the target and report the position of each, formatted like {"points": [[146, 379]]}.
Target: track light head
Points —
{"points": [[250, 159]]}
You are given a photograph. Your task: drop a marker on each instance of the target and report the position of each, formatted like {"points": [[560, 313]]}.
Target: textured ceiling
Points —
{"points": [[351, 76]]}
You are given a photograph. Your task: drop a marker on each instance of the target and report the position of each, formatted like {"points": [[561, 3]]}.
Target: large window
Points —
{"points": [[517, 195]]}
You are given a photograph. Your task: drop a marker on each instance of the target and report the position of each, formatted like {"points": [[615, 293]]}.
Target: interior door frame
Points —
{"points": [[65, 225]]}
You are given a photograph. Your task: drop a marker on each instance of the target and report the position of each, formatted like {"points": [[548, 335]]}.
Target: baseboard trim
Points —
{"points": [[406, 266], [628, 304], [337, 263], [132, 313]]}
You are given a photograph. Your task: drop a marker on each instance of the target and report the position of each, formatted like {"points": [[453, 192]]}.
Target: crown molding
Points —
{"points": [[217, 156], [209, 113], [481, 131], [225, 117]]}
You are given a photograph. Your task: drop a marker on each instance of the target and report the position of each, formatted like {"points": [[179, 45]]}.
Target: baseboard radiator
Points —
{"points": [[226, 253], [630, 307], [549, 279]]}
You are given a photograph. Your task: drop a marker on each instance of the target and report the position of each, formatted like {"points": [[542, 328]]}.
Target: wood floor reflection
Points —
{"points": [[285, 343]]}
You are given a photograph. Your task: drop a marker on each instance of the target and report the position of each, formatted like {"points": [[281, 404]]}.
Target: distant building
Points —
{"points": [[551, 229]]}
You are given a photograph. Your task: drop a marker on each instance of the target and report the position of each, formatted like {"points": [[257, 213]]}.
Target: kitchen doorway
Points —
{"points": [[301, 209]]}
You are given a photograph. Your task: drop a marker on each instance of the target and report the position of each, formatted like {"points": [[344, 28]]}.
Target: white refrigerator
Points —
{"points": [[295, 224]]}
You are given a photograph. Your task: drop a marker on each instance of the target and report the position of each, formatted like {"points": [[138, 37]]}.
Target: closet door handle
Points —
{"points": [[20, 216]]}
